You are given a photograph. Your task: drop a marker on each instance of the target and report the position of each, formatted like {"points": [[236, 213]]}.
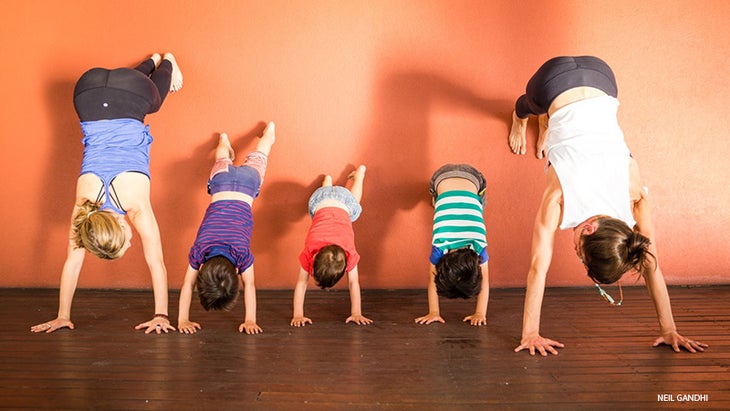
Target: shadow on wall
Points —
{"points": [[184, 181], [398, 152], [283, 204], [61, 169]]}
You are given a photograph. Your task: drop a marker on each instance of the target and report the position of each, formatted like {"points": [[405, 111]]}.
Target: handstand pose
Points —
{"points": [[593, 187], [115, 177], [329, 249], [459, 256], [222, 248]]}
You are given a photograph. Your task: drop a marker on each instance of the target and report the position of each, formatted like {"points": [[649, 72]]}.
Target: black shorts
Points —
{"points": [[560, 74]]}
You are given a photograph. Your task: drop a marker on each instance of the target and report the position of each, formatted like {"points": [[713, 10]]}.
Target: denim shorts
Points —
{"points": [[461, 171], [242, 179], [246, 178], [338, 193]]}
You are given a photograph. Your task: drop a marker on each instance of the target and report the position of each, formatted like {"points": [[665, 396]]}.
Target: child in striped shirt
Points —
{"points": [[458, 247], [222, 248]]}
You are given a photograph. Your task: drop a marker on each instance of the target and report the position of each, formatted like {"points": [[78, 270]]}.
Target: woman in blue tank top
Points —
{"points": [[115, 180]]}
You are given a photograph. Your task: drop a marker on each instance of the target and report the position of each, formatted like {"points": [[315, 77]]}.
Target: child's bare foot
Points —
{"points": [[327, 181], [177, 78], [358, 174], [224, 149], [267, 139], [156, 58], [269, 132], [517, 136], [355, 182]]}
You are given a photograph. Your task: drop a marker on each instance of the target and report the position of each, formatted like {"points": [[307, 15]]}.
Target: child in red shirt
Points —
{"points": [[329, 249]]}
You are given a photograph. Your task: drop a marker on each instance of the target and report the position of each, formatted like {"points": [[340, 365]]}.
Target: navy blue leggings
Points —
{"points": [[102, 94], [560, 74]]}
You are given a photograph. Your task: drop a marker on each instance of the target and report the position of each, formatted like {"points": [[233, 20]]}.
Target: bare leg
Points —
{"points": [[177, 78], [224, 149], [327, 181], [354, 182], [267, 139], [517, 136], [541, 135]]}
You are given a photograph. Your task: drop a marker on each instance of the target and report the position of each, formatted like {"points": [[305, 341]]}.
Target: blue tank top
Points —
{"points": [[112, 147]]}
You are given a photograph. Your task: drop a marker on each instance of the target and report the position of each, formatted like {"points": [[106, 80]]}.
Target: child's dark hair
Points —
{"points": [[217, 284], [614, 249], [458, 274], [329, 265]]}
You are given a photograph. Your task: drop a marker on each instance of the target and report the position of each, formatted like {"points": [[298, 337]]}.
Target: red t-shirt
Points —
{"points": [[330, 225]]}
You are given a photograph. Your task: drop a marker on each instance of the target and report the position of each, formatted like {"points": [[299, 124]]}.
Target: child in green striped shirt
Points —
{"points": [[458, 247]]}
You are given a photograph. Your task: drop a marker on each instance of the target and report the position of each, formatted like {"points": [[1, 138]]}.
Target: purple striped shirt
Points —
{"points": [[226, 231]]}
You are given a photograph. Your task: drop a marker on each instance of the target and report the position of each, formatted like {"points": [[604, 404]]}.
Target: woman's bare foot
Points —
{"points": [[176, 82], [327, 181], [517, 136], [224, 149], [541, 136], [156, 58]]}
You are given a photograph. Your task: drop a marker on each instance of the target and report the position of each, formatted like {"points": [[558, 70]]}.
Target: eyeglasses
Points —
{"points": [[610, 299]]}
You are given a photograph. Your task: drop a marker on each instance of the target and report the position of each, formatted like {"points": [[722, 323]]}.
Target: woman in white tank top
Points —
{"points": [[593, 187]]}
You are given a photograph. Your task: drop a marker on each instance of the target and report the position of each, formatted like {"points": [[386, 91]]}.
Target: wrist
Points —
{"points": [[163, 316], [529, 334]]}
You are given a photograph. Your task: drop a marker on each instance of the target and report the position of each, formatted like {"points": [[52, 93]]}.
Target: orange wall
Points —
{"points": [[402, 86]]}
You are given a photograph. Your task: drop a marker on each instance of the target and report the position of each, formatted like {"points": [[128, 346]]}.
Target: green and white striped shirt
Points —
{"points": [[458, 222]]}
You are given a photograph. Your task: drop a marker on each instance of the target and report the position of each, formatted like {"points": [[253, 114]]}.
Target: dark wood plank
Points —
{"points": [[608, 362]]}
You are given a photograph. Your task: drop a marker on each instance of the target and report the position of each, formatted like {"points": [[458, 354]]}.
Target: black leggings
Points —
{"points": [[560, 74], [102, 94]]}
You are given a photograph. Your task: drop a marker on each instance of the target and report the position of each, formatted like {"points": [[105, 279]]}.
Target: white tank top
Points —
{"points": [[586, 146]]}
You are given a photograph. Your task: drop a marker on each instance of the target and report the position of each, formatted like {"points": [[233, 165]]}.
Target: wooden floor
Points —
{"points": [[607, 363]]}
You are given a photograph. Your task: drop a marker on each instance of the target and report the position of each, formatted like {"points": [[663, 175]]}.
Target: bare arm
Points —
{"points": [[434, 313], [480, 312], [546, 222], [69, 279], [355, 304], [186, 295], [145, 223], [298, 318], [654, 278], [249, 299]]}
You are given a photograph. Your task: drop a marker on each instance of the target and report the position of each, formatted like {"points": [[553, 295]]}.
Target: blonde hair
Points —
{"points": [[98, 232]]}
